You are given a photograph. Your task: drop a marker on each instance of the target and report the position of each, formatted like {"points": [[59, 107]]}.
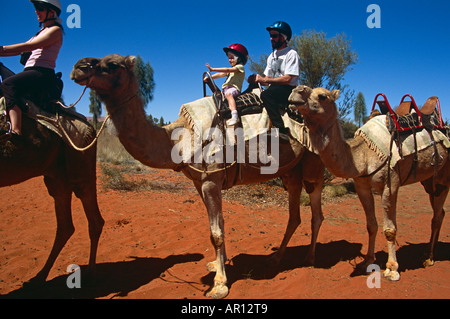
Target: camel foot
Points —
{"points": [[219, 291], [428, 262], [362, 266], [211, 266], [391, 275]]}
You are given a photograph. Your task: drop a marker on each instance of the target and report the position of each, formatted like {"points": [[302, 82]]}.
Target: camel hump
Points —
{"points": [[429, 106]]}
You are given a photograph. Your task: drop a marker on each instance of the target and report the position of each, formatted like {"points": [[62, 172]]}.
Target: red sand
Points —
{"points": [[155, 244]]}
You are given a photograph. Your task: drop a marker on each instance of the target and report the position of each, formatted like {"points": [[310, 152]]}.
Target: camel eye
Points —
{"points": [[322, 97], [113, 66], [85, 67]]}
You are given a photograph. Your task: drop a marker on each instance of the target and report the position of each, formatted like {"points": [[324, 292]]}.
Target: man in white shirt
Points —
{"points": [[281, 75]]}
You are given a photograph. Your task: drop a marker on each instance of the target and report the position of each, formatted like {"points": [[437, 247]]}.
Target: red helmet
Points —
{"points": [[239, 50]]}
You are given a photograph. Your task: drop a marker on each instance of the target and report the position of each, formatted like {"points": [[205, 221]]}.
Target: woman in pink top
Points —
{"points": [[38, 76]]}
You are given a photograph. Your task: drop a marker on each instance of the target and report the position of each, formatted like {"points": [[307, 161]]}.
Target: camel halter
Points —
{"points": [[81, 149]]}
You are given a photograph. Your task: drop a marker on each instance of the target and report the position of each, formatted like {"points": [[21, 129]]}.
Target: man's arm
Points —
{"points": [[282, 80]]}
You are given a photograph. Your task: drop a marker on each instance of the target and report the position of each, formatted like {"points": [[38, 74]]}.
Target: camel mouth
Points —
{"points": [[77, 77], [295, 104], [82, 81]]}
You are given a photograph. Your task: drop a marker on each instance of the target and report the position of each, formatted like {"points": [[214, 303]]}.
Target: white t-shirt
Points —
{"points": [[282, 62]]}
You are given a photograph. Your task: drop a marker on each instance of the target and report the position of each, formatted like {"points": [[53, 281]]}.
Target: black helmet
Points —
{"points": [[281, 27]]}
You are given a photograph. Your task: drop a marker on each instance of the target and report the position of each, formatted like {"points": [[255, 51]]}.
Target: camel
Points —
{"points": [[113, 80], [41, 152], [354, 159]]}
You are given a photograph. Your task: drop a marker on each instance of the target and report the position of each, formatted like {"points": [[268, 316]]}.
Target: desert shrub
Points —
{"points": [[113, 178], [110, 150]]}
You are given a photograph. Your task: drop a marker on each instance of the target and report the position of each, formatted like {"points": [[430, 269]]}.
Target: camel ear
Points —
{"points": [[130, 61], [334, 95]]}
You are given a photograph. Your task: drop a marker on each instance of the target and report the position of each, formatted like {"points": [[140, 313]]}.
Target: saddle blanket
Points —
{"points": [[69, 124], [200, 114], [377, 136]]}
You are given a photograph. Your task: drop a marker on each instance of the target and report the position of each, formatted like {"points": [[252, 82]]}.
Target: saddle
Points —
{"points": [[247, 103], [407, 117], [407, 120], [51, 113]]}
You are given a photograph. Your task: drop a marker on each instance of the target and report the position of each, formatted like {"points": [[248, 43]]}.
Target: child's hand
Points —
{"points": [[209, 67]]}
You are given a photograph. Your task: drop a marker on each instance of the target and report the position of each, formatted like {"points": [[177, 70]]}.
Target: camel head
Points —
{"points": [[110, 75], [316, 105]]}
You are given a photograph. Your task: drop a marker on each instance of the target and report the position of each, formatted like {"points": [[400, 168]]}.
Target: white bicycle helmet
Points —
{"points": [[51, 4]]}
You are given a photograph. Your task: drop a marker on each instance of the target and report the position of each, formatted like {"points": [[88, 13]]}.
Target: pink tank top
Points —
{"points": [[44, 57]]}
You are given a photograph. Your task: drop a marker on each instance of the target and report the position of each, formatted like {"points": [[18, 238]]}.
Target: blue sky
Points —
{"points": [[408, 55]]}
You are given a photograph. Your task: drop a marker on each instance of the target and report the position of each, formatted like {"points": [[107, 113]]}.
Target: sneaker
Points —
{"points": [[5, 136], [8, 135], [233, 121]]}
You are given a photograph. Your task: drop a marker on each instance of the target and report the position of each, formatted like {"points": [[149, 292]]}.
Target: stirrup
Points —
{"points": [[7, 135]]}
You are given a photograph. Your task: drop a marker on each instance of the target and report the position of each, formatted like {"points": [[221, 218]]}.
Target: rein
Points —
{"points": [[82, 149], [101, 128], [71, 105]]}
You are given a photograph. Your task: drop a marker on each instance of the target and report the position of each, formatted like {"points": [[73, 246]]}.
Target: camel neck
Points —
{"points": [[335, 152], [146, 142]]}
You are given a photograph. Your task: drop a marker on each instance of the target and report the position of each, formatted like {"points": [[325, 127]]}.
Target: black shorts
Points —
{"points": [[34, 83]]}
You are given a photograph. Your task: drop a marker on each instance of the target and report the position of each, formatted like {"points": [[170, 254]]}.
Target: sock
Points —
{"points": [[234, 114]]}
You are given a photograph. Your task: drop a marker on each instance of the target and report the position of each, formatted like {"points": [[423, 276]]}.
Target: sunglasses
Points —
{"points": [[39, 7], [274, 35]]}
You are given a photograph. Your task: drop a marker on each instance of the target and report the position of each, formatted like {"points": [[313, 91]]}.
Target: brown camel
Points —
{"points": [[354, 159], [41, 152], [113, 79]]}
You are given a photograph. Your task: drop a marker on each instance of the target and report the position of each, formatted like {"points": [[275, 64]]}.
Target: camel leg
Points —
{"points": [[389, 201], [313, 182], [294, 187], [210, 266], [294, 182], [88, 197], [62, 196], [437, 201], [364, 191], [212, 197], [316, 219]]}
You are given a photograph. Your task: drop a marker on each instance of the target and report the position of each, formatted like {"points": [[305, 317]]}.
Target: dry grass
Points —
{"points": [[273, 193], [110, 150], [130, 179]]}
